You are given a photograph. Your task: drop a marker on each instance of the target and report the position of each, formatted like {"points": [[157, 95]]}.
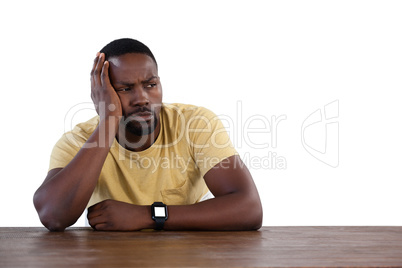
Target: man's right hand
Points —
{"points": [[107, 102]]}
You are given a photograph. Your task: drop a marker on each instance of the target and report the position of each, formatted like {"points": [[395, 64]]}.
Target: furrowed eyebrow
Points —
{"points": [[131, 84], [125, 83], [149, 79]]}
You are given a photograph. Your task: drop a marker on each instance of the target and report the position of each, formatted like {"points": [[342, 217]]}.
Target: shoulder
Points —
{"points": [[195, 121], [87, 127], [188, 112], [81, 132]]}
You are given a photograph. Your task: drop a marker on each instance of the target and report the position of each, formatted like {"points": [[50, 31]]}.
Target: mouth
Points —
{"points": [[142, 116]]}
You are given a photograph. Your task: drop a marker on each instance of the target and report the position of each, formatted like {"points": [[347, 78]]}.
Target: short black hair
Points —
{"points": [[126, 45]]}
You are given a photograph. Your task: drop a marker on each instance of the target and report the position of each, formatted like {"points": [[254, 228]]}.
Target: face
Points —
{"points": [[135, 78]]}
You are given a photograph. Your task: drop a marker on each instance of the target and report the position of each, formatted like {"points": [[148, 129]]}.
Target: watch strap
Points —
{"points": [[159, 223]]}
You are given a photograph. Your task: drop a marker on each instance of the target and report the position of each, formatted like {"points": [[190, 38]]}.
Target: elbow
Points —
{"points": [[255, 219], [257, 224], [53, 225], [251, 215], [55, 228], [255, 214], [51, 221]]}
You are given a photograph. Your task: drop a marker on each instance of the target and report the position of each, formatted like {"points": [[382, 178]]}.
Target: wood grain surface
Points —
{"points": [[268, 247]]}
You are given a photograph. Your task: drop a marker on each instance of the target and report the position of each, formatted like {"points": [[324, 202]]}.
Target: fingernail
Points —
{"points": [[97, 54]]}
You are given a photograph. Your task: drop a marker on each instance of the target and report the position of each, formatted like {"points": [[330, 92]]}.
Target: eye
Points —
{"points": [[151, 85], [123, 89]]}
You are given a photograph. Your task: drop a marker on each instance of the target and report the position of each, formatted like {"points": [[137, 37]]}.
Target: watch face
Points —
{"points": [[159, 212]]}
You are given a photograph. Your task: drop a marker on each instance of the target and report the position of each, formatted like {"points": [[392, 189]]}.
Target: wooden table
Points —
{"points": [[268, 247]]}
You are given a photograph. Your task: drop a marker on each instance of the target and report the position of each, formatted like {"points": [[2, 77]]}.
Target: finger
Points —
{"points": [[96, 207], [94, 220], [98, 68], [105, 80], [93, 214], [93, 68], [96, 60], [101, 227]]}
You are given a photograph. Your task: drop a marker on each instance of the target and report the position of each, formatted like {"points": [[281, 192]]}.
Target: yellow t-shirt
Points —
{"points": [[191, 141]]}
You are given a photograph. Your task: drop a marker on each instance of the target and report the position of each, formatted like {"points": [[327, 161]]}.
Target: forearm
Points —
{"points": [[235, 211], [61, 199], [236, 205]]}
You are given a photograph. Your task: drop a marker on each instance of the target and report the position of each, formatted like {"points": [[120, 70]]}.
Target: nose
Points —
{"points": [[139, 97]]}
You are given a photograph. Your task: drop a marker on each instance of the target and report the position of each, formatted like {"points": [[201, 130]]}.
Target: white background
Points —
{"points": [[261, 58]]}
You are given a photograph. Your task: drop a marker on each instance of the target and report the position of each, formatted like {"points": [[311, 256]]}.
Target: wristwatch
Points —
{"points": [[159, 214]]}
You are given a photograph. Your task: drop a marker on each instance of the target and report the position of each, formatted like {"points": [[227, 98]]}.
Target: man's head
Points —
{"points": [[133, 74], [126, 45]]}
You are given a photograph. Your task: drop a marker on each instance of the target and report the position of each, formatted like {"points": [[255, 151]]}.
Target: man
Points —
{"points": [[142, 164]]}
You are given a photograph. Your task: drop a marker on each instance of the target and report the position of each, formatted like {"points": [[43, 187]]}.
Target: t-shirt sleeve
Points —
{"points": [[65, 150], [71, 142], [208, 139]]}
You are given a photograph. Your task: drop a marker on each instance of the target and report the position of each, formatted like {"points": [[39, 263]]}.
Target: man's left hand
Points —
{"points": [[112, 215]]}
